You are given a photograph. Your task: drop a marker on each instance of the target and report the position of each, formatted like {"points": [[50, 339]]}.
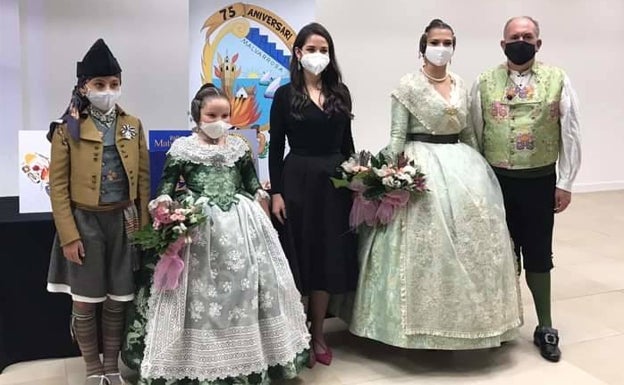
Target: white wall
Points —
{"points": [[148, 38], [10, 97], [376, 44]]}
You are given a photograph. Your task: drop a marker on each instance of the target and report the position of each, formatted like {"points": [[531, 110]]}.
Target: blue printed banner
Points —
{"points": [[159, 143]]}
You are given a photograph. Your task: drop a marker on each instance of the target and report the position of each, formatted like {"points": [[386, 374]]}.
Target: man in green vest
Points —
{"points": [[526, 118]]}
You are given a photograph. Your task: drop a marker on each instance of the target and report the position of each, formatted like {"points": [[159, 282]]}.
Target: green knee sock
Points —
{"points": [[539, 284]]}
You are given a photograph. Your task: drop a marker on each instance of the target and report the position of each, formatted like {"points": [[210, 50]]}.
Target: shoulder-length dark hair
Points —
{"points": [[337, 96]]}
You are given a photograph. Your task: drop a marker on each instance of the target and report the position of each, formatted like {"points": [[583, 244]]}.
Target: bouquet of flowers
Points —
{"points": [[172, 222], [381, 185]]}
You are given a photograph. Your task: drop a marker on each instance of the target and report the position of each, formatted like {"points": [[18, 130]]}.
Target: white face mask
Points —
{"points": [[105, 100], [439, 55], [314, 62], [215, 130]]}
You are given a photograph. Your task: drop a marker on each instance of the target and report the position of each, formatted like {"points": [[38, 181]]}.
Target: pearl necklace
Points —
{"points": [[437, 80]]}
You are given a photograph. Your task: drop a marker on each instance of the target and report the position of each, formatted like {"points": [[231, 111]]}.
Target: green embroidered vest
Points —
{"points": [[522, 126]]}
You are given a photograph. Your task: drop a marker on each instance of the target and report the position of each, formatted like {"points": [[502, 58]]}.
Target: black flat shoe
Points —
{"points": [[547, 340]]}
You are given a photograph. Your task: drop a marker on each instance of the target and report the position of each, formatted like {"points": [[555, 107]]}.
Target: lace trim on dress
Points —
{"points": [[183, 339], [190, 149], [435, 114]]}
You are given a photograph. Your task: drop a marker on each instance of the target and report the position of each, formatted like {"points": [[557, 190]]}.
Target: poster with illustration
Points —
{"points": [[34, 172], [245, 50]]}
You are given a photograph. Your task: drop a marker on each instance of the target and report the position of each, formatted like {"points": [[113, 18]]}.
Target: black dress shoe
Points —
{"points": [[547, 339]]}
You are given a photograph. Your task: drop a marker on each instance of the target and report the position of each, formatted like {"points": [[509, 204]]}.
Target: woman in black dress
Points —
{"points": [[314, 112]]}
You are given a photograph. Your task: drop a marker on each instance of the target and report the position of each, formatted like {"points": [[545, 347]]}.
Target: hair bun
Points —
{"points": [[435, 23], [206, 85], [207, 89]]}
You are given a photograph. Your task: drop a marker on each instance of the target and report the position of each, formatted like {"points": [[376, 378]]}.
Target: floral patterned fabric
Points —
{"points": [[218, 173], [442, 274], [236, 317]]}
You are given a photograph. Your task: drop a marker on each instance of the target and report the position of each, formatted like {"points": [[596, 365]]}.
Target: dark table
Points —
{"points": [[34, 324]]}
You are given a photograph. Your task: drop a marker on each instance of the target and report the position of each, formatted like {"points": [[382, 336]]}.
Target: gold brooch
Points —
{"points": [[451, 111]]}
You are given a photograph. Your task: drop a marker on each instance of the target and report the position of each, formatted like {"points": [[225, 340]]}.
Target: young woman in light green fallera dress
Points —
{"points": [[442, 274]]}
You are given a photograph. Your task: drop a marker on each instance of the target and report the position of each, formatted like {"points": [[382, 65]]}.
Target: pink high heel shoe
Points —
{"points": [[324, 358]]}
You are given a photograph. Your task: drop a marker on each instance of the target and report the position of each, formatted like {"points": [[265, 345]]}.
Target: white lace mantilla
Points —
{"points": [[191, 149], [436, 114]]}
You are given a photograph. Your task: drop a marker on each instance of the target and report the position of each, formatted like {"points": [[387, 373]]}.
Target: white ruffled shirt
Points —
{"points": [[570, 150]]}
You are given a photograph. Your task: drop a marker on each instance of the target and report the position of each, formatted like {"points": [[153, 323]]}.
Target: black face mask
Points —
{"points": [[519, 52]]}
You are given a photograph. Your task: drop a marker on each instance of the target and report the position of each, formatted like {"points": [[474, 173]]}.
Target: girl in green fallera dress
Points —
{"points": [[236, 316]]}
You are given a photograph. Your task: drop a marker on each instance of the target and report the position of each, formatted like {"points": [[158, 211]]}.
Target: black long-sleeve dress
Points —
{"points": [[318, 242]]}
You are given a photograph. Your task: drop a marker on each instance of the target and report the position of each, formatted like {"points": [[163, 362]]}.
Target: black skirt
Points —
{"points": [[320, 246]]}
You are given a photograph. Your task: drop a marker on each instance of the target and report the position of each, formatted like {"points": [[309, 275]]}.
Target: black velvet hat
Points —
{"points": [[99, 61]]}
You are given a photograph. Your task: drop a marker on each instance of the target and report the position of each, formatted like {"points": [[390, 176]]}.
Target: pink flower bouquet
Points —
{"points": [[172, 222], [381, 185]]}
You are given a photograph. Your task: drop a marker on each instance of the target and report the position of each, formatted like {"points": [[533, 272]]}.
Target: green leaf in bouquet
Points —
{"points": [[382, 159], [375, 192], [375, 161], [200, 220], [146, 238], [370, 179], [339, 183]]}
